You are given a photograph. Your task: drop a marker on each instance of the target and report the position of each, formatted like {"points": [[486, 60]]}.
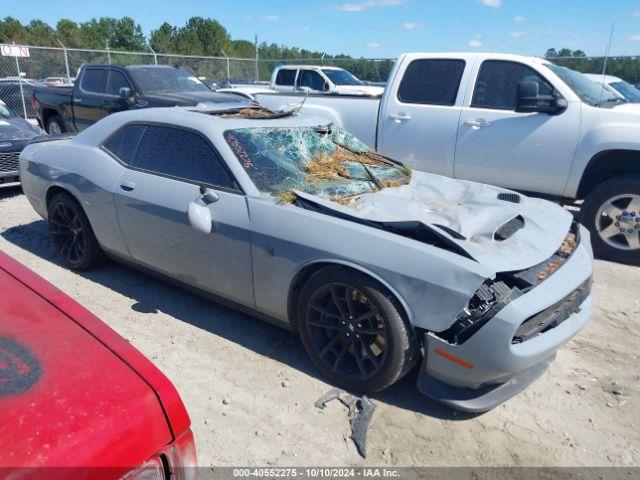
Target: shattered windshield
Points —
{"points": [[325, 161]]}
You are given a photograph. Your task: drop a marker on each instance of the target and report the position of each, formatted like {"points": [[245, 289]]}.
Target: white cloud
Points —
{"points": [[270, 18], [367, 4], [412, 26], [372, 45], [492, 3], [635, 38], [518, 19], [476, 41], [517, 34], [302, 29]]}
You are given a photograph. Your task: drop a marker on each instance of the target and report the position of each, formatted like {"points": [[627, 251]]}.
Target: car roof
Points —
{"points": [[315, 67], [597, 77]]}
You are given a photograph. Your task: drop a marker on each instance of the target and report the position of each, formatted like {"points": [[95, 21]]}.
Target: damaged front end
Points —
{"points": [[493, 295]]}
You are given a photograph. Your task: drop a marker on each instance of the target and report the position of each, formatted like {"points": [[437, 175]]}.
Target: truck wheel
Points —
{"points": [[354, 330], [54, 124], [611, 212], [71, 234]]}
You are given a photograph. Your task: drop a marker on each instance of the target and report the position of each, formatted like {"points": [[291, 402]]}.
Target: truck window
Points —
{"points": [[93, 80], [286, 77], [497, 84], [431, 81], [311, 79], [123, 143], [181, 154], [115, 82]]}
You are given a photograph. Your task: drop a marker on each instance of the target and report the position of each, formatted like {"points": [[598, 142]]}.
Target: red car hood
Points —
{"points": [[73, 393]]}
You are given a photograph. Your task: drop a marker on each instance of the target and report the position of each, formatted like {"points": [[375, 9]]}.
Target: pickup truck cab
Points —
{"points": [[100, 90], [78, 401], [517, 122], [316, 79]]}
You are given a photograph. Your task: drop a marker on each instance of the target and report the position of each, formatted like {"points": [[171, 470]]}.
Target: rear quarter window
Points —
{"points": [[431, 81], [285, 77], [123, 144]]}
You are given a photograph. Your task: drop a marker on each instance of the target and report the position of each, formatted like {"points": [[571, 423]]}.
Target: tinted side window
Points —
{"points": [[285, 77], [93, 80], [311, 79], [182, 154], [497, 84], [115, 82], [124, 143], [431, 82]]}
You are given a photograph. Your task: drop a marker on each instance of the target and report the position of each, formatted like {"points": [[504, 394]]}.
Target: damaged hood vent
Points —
{"points": [[509, 197], [509, 228], [503, 236]]}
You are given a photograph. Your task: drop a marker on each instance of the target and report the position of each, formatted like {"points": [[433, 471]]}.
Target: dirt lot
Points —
{"points": [[250, 389]]}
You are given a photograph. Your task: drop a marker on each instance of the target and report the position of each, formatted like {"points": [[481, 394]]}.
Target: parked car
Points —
{"points": [[11, 95], [15, 133], [518, 122], [298, 222], [77, 400], [626, 90], [100, 90], [316, 79]]}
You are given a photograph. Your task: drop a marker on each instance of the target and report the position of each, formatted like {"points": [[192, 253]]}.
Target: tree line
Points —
{"points": [[199, 36], [206, 36]]}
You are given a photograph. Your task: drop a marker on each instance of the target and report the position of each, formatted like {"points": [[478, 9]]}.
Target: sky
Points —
{"points": [[381, 28]]}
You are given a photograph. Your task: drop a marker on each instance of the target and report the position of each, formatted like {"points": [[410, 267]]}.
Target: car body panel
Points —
{"points": [[113, 408], [259, 246]]}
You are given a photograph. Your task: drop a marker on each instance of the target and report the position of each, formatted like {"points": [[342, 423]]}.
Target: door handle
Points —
{"points": [[77, 100], [477, 123], [127, 186], [400, 117]]}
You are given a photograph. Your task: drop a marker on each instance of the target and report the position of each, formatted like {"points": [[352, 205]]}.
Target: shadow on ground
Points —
{"points": [[152, 295]]}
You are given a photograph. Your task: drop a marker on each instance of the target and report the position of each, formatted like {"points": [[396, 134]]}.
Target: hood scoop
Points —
{"points": [[509, 228]]}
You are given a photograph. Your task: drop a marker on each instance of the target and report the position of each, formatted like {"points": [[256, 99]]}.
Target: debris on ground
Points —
{"points": [[360, 412]]}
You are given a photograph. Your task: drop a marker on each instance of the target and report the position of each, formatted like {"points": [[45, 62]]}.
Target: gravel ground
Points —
{"points": [[250, 388]]}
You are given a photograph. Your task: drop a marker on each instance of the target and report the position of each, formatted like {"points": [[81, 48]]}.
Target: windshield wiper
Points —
{"points": [[376, 182]]}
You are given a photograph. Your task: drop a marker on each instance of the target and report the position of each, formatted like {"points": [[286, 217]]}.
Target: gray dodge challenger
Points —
{"points": [[374, 265]]}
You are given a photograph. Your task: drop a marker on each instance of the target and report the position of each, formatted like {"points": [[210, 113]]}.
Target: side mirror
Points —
{"points": [[199, 217], [529, 99], [325, 87], [126, 95]]}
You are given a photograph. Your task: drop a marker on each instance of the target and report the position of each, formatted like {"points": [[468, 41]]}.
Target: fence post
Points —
{"points": [[257, 59], [155, 57], [24, 104], [66, 60], [227, 62]]}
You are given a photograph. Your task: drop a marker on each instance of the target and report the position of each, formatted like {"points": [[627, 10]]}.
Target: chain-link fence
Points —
{"points": [[19, 75]]}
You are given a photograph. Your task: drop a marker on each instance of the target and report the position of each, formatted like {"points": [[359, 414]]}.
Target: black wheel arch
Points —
{"points": [[606, 165], [305, 273]]}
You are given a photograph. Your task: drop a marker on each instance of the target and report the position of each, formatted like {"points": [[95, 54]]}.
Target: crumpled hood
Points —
{"points": [[472, 210], [17, 128]]}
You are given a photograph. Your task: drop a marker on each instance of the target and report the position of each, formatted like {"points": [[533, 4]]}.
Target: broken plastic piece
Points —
{"points": [[360, 412]]}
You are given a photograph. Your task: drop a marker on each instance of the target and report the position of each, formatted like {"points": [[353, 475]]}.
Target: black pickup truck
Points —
{"points": [[103, 89]]}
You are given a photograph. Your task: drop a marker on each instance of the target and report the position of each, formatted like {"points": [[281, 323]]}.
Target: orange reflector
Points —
{"points": [[454, 359]]}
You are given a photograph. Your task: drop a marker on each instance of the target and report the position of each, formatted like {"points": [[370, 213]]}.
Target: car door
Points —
{"points": [[164, 177], [522, 151], [310, 80], [89, 98], [419, 121], [285, 80], [112, 101]]}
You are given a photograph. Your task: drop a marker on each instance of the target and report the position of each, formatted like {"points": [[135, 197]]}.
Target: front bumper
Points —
{"points": [[489, 368]]}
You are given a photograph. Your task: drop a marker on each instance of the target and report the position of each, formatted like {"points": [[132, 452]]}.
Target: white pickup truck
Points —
{"points": [[317, 79], [517, 122]]}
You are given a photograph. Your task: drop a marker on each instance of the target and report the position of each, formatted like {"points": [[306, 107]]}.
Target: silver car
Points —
{"points": [[374, 265]]}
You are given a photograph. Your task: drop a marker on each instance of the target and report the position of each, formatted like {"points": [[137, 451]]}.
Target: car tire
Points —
{"points": [[358, 353], [71, 234], [611, 212], [54, 124]]}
